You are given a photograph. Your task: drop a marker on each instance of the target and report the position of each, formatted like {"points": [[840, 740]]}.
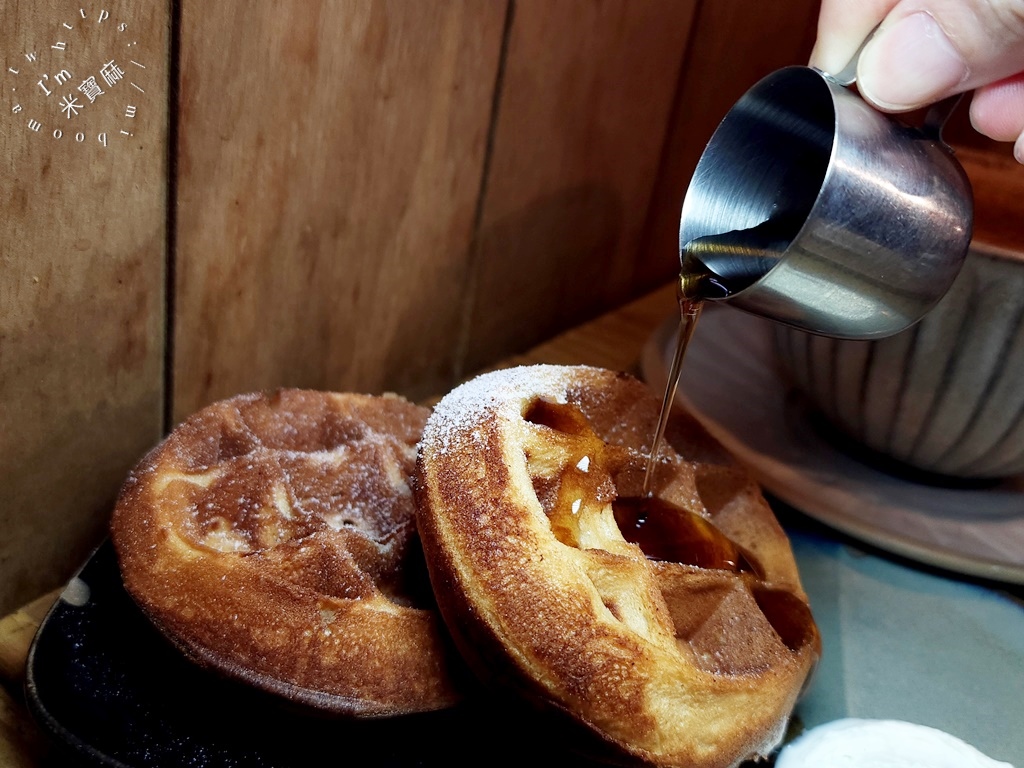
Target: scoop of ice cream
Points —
{"points": [[856, 743]]}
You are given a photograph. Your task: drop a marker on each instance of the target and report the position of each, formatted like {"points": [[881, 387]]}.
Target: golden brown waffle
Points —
{"points": [[692, 653], [273, 538]]}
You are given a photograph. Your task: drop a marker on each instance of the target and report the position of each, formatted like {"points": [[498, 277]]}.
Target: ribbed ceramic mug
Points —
{"points": [[945, 396]]}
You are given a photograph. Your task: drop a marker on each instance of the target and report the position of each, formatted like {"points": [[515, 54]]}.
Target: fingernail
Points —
{"points": [[910, 64], [1018, 149]]}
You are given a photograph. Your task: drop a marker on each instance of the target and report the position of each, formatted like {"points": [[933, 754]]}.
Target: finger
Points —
{"points": [[842, 27], [997, 110], [926, 50]]}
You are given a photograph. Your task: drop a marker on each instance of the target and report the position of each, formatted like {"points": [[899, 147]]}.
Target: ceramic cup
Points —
{"points": [[945, 396]]}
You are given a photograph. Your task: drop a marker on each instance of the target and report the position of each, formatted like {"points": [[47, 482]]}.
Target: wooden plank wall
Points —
{"points": [[369, 207], [358, 195], [82, 261], [351, 225], [580, 127], [330, 161]]}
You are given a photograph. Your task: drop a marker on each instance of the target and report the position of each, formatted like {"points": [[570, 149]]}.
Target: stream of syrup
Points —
{"points": [[689, 314], [745, 255], [695, 284]]}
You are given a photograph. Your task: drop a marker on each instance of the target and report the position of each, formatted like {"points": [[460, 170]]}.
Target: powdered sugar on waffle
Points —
{"points": [[496, 394]]}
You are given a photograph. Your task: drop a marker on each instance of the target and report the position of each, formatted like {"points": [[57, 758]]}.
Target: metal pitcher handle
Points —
{"points": [[848, 75]]}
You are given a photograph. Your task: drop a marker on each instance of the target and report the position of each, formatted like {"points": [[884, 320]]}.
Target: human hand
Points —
{"points": [[926, 50]]}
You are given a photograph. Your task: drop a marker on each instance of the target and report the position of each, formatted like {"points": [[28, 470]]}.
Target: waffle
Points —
{"points": [[272, 538], [673, 628]]}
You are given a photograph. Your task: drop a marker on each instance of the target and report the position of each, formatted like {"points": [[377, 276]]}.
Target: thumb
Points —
{"points": [[926, 50]]}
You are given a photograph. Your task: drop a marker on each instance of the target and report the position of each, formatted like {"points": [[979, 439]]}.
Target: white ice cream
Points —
{"points": [[855, 743]]}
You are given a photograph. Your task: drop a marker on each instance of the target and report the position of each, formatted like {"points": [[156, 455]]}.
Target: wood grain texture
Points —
{"points": [[735, 43], [998, 183], [82, 260], [614, 341], [21, 741], [330, 159], [17, 630], [587, 90]]}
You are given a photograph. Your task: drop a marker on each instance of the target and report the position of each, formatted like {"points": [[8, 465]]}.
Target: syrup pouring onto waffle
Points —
{"points": [[752, 249], [811, 208]]}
